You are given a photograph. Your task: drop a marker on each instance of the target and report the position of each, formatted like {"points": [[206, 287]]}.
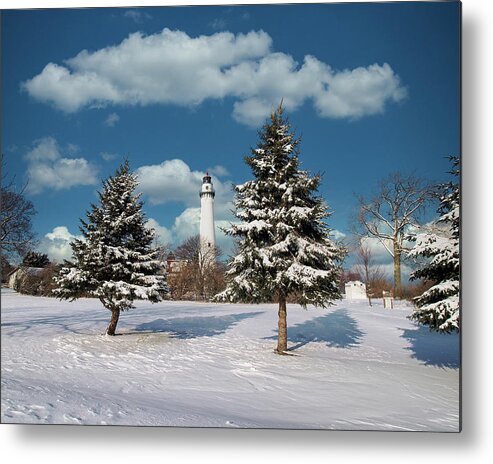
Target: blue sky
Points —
{"points": [[370, 88]]}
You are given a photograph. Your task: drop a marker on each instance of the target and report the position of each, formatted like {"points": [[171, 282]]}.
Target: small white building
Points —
{"points": [[20, 274], [355, 290]]}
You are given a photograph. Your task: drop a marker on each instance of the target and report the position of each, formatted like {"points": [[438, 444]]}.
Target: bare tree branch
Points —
{"points": [[200, 275], [16, 212]]}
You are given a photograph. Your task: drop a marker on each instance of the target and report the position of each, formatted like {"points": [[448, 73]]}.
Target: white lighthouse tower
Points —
{"points": [[207, 232]]}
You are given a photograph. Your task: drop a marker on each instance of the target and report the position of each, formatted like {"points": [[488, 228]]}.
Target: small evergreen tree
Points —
{"points": [[34, 259], [115, 261], [283, 244], [438, 307]]}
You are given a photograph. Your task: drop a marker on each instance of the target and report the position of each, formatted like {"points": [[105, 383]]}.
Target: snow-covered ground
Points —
{"points": [[209, 365]]}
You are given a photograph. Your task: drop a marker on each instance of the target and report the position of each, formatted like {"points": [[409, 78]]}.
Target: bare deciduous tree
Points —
{"points": [[369, 272], [392, 213], [16, 212], [199, 273], [5, 267]]}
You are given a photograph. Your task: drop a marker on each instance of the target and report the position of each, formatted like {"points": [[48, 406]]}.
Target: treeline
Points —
{"points": [[188, 278]]}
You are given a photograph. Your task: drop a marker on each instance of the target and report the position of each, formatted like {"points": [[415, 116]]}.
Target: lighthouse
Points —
{"points": [[207, 232]]}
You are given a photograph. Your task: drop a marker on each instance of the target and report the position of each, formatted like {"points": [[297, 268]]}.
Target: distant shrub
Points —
{"points": [[412, 290]]}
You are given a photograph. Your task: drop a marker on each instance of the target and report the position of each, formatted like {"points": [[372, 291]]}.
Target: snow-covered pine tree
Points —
{"points": [[115, 261], [438, 307], [284, 249]]}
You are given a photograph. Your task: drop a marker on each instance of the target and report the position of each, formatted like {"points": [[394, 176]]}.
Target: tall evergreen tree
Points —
{"points": [[438, 307], [283, 244], [115, 261]]}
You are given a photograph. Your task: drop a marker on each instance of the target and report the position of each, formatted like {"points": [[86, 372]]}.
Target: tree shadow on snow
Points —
{"points": [[433, 348], [193, 327], [65, 323], [337, 329]]}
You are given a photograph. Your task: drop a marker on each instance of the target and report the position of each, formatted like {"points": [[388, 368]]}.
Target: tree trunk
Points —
{"points": [[397, 271], [115, 315], [282, 339]]}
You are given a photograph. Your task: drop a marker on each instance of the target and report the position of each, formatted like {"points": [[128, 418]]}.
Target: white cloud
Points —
{"points": [[173, 180], [337, 234], [44, 150], [70, 91], [360, 92], [108, 156], [72, 148], [377, 249], [388, 269], [137, 16], [163, 235], [186, 225], [252, 111], [223, 241], [218, 24], [171, 67], [47, 169], [382, 258], [56, 244], [111, 120], [219, 171], [381, 248]]}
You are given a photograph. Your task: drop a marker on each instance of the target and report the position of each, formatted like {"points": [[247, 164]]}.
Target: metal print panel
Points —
{"points": [[232, 216]]}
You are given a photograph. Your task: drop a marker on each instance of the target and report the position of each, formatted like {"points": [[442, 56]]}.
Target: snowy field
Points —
{"points": [[208, 365]]}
